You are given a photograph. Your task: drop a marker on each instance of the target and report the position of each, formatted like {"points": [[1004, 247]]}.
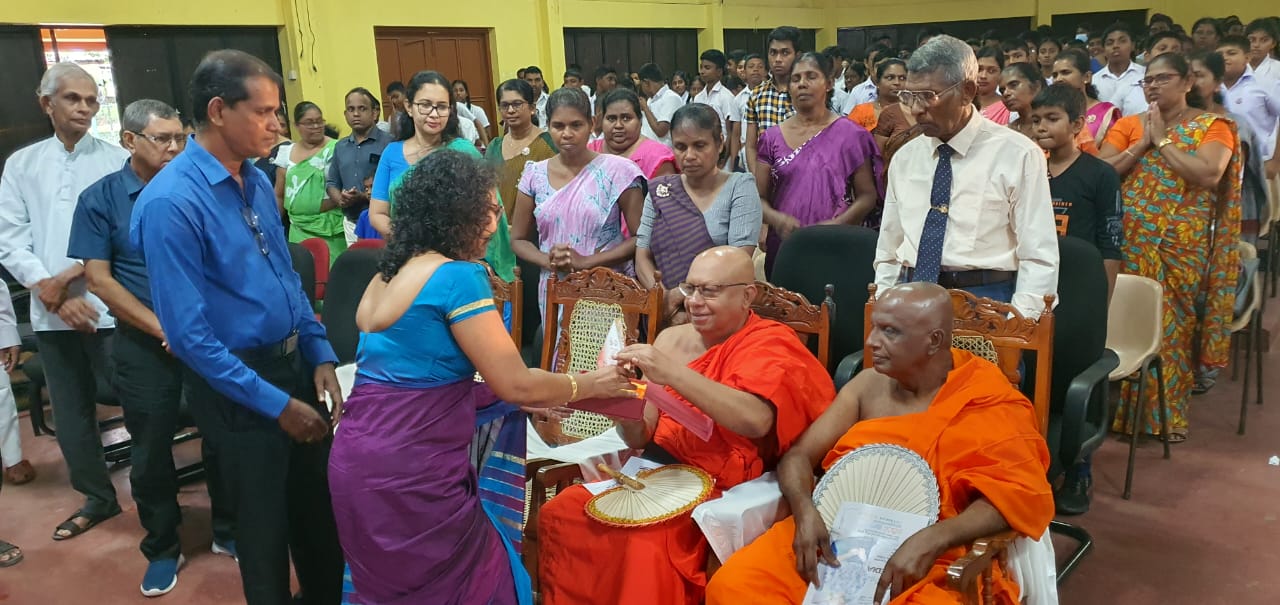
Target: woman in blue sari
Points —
{"points": [[411, 513]]}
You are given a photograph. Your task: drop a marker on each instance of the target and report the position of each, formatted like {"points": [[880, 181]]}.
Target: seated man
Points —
{"points": [[958, 411], [751, 376]]}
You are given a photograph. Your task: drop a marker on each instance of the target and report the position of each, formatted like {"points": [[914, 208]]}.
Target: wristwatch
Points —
{"points": [[1163, 142]]}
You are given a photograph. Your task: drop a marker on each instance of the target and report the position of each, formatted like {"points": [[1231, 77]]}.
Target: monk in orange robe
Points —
{"points": [[959, 412], [757, 382]]}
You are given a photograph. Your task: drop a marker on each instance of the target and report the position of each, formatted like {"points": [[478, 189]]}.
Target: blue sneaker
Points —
{"points": [[227, 548], [161, 576]]}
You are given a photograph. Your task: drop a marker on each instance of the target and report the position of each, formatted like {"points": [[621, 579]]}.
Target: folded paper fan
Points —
{"points": [[651, 497], [880, 474]]}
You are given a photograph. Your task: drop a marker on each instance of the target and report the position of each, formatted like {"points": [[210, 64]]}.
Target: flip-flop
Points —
{"points": [[6, 549], [75, 529], [1175, 436]]}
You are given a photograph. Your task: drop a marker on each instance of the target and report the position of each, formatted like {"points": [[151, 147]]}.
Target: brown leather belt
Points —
{"points": [[969, 279]]}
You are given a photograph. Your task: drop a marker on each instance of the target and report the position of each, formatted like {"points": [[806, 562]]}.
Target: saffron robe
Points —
{"points": [[584, 562], [981, 439]]}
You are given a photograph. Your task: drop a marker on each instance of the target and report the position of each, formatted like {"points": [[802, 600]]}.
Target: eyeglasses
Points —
{"points": [[251, 219], [165, 140], [1157, 81], [311, 123], [512, 106], [927, 97], [707, 291], [427, 109]]}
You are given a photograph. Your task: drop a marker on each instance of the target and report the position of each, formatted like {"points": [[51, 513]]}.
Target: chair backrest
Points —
{"points": [[304, 265], [839, 255], [581, 308], [794, 310], [319, 250], [513, 292], [349, 278], [1254, 292], [1135, 315], [368, 243], [991, 328], [1080, 329]]}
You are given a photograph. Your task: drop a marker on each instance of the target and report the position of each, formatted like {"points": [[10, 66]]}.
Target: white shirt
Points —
{"points": [[663, 105], [1123, 90], [865, 92], [39, 190], [540, 107], [1257, 102], [8, 320], [740, 116], [720, 99], [1268, 70], [1000, 215], [478, 115]]}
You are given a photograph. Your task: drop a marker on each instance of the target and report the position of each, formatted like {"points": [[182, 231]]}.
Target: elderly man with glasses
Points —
{"points": [[983, 220], [232, 309]]}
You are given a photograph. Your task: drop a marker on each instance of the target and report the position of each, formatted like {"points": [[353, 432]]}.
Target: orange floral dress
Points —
{"points": [[1185, 237]]}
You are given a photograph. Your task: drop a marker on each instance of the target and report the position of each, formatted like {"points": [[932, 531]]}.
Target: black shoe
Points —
{"points": [[1073, 497]]}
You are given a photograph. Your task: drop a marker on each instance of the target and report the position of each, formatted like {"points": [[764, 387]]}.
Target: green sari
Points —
{"points": [[304, 193], [498, 254]]}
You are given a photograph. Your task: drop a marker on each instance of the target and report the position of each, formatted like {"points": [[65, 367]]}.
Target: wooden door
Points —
{"points": [[458, 54]]}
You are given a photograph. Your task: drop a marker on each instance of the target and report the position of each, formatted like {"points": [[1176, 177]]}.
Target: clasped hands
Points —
{"points": [[302, 422], [564, 259], [74, 311]]}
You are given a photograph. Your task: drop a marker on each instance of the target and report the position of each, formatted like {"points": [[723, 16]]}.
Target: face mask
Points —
{"points": [[1082, 37]]}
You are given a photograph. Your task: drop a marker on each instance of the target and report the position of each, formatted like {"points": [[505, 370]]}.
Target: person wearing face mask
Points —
{"points": [[620, 124], [1180, 171], [580, 200], [816, 167], [695, 210]]}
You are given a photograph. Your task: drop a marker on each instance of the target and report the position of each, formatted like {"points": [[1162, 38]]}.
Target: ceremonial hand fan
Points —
{"points": [[651, 497], [880, 474]]}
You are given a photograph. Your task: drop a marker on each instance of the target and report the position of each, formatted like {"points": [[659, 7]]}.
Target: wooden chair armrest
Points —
{"points": [[963, 575]]}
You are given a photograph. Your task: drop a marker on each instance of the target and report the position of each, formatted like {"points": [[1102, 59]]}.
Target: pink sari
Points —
{"points": [[1099, 119], [998, 113], [649, 155]]}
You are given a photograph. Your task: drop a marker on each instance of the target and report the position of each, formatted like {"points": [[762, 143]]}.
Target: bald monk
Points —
{"points": [[759, 384], [958, 411]]}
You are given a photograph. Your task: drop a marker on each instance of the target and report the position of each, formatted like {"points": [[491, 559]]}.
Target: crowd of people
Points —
{"points": [[161, 267]]}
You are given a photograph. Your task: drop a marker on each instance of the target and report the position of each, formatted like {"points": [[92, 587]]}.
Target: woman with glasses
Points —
{"points": [[576, 203], [1180, 172], [698, 209], [301, 168], [816, 166], [523, 143], [429, 125]]}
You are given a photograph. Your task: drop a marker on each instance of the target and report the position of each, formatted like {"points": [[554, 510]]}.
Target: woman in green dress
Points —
{"points": [[524, 142], [300, 187]]}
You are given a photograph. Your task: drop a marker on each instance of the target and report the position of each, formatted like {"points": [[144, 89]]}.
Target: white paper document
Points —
{"points": [[864, 538]]}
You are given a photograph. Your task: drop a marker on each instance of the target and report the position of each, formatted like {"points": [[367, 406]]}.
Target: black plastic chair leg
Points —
{"points": [[1247, 336], [35, 407], [1257, 329], [1084, 544], [1135, 429]]}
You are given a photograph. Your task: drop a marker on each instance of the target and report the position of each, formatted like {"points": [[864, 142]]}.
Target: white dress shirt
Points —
{"points": [[1268, 70], [8, 331], [540, 107], [1000, 215], [865, 92], [38, 193], [1257, 102], [663, 105], [1123, 90], [721, 100]]}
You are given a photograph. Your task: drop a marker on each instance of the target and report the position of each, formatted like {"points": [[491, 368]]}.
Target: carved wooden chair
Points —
{"points": [[807, 319], [581, 309], [997, 332], [509, 292]]}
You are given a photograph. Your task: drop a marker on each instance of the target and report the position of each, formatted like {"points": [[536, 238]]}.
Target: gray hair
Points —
{"points": [[139, 114], [948, 56], [53, 77]]}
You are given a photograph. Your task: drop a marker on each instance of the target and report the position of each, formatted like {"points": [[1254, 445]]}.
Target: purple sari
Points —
{"points": [[679, 229], [812, 181]]}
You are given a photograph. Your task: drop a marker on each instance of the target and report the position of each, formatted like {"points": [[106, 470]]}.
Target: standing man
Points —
{"points": [[355, 158], [770, 102], [533, 76], [1119, 82], [711, 72], [1255, 100], [233, 311], [984, 221], [396, 97], [38, 193], [658, 104], [17, 470], [753, 70], [148, 378]]}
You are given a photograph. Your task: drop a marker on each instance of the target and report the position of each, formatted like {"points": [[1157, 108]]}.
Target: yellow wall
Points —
{"points": [[524, 32]]}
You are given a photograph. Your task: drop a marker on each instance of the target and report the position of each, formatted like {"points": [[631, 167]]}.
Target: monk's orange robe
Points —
{"points": [[979, 436], [584, 562]]}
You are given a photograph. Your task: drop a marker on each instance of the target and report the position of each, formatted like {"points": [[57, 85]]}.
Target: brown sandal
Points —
{"points": [[20, 473]]}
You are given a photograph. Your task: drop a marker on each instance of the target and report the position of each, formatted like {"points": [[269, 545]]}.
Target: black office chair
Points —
{"points": [[840, 255], [348, 278], [305, 266]]}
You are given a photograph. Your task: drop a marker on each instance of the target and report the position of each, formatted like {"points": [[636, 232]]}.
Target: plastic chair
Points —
{"points": [[1135, 332], [352, 273], [319, 250], [1248, 326], [304, 265], [362, 244]]}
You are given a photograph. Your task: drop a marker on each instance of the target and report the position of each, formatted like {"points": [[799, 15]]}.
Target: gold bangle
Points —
{"points": [[573, 384]]}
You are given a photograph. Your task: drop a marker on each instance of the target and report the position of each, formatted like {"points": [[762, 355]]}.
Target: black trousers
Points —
{"points": [[280, 489], [149, 383], [74, 363]]}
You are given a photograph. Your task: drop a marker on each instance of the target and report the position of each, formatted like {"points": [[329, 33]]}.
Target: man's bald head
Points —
{"points": [[910, 328], [731, 264]]}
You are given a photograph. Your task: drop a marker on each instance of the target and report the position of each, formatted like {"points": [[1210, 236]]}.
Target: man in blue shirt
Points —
{"points": [[232, 309], [148, 378]]}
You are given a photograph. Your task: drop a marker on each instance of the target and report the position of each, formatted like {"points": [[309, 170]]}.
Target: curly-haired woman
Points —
{"points": [[405, 495]]}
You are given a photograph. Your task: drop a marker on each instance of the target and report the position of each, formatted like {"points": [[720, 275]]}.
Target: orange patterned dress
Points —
{"points": [[1184, 237]]}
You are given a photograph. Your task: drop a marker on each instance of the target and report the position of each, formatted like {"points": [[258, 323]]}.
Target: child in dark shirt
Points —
{"points": [[1085, 190]]}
